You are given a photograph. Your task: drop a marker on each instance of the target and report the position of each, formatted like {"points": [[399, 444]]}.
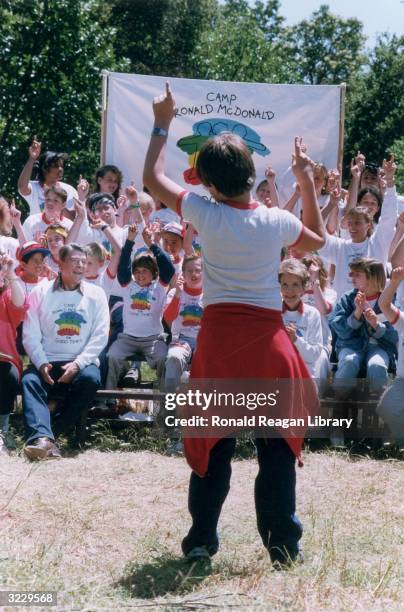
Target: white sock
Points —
{"points": [[4, 422]]}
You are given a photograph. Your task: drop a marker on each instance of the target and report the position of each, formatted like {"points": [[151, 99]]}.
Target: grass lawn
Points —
{"points": [[104, 530]]}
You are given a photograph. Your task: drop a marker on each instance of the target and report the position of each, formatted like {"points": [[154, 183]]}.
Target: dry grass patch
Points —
{"points": [[104, 529]]}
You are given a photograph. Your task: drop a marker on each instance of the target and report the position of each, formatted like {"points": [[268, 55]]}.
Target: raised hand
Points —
{"points": [[359, 160], [302, 165], [270, 174], [83, 188], [397, 274], [34, 150], [334, 180], [79, 208], [148, 237], [356, 171], [121, 202], [132, 232], [389, 168], [164, 108], [14, 212], [179, 284], [314, 272], [131, 193]]}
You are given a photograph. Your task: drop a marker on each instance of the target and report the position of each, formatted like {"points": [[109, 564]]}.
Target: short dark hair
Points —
{"points": [[101, 198], [146, 260], [67, 250], [225, 162], [48, 160]]}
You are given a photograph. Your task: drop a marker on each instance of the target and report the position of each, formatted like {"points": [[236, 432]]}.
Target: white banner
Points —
{"points": [[267, 117]]}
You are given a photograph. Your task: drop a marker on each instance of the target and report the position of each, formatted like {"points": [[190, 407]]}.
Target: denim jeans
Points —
{"points": [[76, 397], [275, 499], [374, 358]]}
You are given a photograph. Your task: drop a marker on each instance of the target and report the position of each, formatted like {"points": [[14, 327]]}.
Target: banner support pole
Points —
{"points": [[341, 127], [104, 107]]}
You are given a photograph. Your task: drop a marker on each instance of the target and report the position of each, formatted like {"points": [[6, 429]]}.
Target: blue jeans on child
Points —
{"points": [[275, 499], [77, 396], [350, 362]]}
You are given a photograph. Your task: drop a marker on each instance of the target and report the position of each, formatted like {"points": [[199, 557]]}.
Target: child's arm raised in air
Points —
{"points": [[385, 300], [124, 264], [16, 219], [34, 152], [80, 209], [313, 234], [164, 264], [154, 176]]}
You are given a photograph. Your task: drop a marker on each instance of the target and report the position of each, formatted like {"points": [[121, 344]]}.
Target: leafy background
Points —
{"points": [[53, 52]]}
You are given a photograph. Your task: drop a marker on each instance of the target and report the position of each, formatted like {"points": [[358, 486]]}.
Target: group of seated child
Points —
{"points": [[148, 261]]}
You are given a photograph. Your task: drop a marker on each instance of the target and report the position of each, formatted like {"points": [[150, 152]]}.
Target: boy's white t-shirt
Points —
{"points": [[103, 280], [36, 199], [241, 249], [143, 309], [330, 297], [37, 224], [190, 311], [309, 333]]}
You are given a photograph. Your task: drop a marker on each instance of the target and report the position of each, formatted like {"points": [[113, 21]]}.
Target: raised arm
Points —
{"points": [[313, 235], [291, 203], [386, 298], [34, 152], [16, 219], [74, 231], [154, 176], [270, 175], [164, 264], [124, 264], [357, 166]]}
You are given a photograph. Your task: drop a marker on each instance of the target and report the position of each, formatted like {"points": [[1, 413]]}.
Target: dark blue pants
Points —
{"points": [[275, 499], [9, 386], [76, 397]]}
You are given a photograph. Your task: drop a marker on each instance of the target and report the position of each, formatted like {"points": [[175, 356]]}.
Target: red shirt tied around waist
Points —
{"points": [[241, 335]]}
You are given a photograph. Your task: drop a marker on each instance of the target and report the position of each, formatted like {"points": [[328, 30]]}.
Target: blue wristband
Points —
{"points": [[159, 132]]}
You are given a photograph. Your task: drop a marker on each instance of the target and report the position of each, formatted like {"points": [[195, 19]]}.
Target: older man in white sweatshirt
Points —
{"points": [[65, 331]]}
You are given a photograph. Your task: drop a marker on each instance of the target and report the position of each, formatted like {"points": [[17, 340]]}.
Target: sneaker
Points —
{"points": [[199, 553], [132, 378], [42, 448]]}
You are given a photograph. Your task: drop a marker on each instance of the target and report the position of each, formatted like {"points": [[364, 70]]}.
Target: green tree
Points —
{"points": [[326, 48], [159, 36], [52, 54], [376, 105], [244, 43]]}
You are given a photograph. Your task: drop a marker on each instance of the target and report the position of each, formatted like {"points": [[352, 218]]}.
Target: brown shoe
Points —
{"points": [[42, 448]]}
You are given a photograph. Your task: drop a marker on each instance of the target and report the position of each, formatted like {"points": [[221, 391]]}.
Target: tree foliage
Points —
{"points": [[376, 105], [326, 48], [52, 54]]}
